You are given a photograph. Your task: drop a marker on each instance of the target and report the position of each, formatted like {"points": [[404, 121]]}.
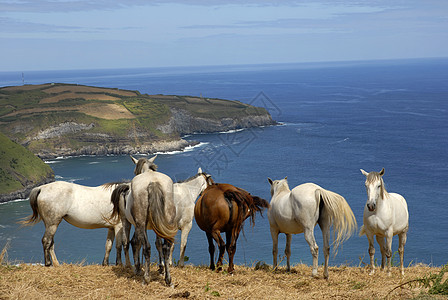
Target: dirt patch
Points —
{"points": [[87, 89], [64, 96], [192, 282], [107, 111]]}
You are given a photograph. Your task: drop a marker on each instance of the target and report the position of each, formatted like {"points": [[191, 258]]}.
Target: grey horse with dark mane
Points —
{"points": [[150, 199]]}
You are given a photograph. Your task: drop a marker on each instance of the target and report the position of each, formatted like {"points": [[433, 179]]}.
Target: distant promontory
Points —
{"points": [[53, 120]]}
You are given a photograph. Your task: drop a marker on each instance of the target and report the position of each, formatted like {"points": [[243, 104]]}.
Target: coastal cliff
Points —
{"points": [[53, 120]]}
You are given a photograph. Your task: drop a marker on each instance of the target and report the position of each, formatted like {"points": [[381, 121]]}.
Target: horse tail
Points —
{"points": [[159, 213], [115, 199], [35, 217], [341, 216], [243, 198]]}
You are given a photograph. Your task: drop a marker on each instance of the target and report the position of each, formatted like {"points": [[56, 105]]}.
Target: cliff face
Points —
{"points": [[54, 120], [184, 122]]}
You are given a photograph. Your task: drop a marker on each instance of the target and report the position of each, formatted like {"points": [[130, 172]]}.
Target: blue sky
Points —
{"points": [[82, 34]]}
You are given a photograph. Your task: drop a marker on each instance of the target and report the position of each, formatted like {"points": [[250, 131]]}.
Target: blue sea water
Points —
{"points": [[336, 119]]}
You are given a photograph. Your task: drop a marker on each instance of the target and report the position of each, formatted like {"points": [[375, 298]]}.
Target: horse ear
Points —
{"points": [[382, 172], [364, 172], [270, 181], [199, 170], [134, 160], [151, 160], [286, 178]]}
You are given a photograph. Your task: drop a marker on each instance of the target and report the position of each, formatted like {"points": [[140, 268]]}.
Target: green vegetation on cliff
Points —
{"points": [[65, 119], [19, 168]]}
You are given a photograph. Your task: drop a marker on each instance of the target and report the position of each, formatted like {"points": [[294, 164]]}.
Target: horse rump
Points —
{"points": [[243, 198], [122, 189], [161, 214]]}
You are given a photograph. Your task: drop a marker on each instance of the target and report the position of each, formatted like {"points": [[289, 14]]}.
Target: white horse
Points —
{"points": [[385, 215], [299, 210], [185, 194], [82, 206], [149, 197]]}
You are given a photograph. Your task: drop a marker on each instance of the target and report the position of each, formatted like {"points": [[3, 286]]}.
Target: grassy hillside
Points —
{"points": [[54, 117], [19, 167]]}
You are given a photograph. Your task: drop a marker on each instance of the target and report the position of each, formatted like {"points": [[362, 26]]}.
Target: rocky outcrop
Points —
{"points": [[122, 149], [24, 192], [184, 123], [62, 129]]}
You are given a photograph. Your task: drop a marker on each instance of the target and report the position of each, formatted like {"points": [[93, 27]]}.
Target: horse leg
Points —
{"points": [[325, 227], [274, 235], [389, 236], [166, 256], [126, 232], [371, 252], [183, 243], [401, 242], [136, 245], [231, 238], [48, 244], [211, 251], [159, 246], [53, 256], [288, 251], [109, 242], [380, 241], [142, 238], [222, 249], [309, 237], [118, 230]]}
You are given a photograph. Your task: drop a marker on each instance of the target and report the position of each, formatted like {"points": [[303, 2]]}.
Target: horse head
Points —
{"points": [[375, 188], [277, 185], [144, 164]]}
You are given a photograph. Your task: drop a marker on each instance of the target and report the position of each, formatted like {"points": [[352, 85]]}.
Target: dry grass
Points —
{"points": [[96, 282]]}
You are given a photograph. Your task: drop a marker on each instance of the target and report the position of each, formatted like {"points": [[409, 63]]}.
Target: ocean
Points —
{"points": [[336, 118]]}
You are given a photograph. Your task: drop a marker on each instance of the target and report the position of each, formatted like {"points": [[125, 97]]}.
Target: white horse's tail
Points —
{"points": [[35, 217], [161, 214], [341, 216]]}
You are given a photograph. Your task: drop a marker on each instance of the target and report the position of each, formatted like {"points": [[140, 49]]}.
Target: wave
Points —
{"points": [[51, 161], [186, 149], [232, 130], [15, 200]]}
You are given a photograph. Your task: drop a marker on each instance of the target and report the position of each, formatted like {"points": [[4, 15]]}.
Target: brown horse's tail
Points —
{"points": [[115, 199], [340, 214], [244, 199], [35, 217], [161, 213]]}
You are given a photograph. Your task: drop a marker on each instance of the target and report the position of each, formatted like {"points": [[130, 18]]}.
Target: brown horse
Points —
{"points": [[223, 208]]}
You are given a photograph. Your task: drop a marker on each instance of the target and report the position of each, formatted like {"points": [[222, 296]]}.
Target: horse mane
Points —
{"points": [[245, 199], [190, 178], [375, 176], [141, 162], [113, 185]]}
